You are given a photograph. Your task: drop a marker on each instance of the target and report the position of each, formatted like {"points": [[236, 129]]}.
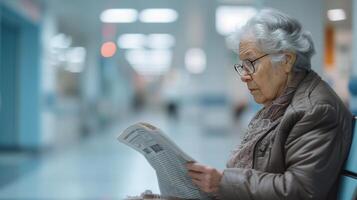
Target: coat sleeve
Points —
{"points": [[313, 158]]}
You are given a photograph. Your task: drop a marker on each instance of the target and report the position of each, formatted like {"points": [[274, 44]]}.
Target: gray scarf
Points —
{"points": [[267, 117]]}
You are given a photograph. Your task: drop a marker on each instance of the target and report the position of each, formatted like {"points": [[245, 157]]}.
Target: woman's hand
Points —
{"points": [[205, 177]]}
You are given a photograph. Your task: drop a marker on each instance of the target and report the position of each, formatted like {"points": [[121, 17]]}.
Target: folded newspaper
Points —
{"points": [[168, 160]]}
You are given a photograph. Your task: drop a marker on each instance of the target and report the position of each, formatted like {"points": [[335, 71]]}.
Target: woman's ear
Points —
{"points": [[288, 61]]}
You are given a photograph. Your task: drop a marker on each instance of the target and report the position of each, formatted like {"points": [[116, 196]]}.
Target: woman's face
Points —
{"points": [[268, 82]]}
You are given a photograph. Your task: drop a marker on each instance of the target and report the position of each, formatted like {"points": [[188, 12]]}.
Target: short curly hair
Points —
{"points": [[276, 32]]}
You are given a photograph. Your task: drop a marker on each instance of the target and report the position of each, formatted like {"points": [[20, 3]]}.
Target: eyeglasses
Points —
{"points": [[246, 67]]}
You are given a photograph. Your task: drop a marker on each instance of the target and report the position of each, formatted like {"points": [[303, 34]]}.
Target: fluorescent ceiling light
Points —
{"points": [[151, 57], [61, 41], [336, 14], [149, 61], [140, 41], [230, 18], [131, 41], [158, 15], [160, 41], [76, 55], [119, 16], [195, 60]]}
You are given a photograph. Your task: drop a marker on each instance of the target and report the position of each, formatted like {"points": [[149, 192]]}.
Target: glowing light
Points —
{"points": [[61, 41], [336, 14], [74, 67], [230, 18], [139, 41], [108, 49], [131, 41], [76, 55], [160, 41], [158, 15], [119, 16], [195, 60], [75, 58], [149, 62]]}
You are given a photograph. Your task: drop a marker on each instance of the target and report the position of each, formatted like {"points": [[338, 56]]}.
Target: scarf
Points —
{"points": [[267, 117]]}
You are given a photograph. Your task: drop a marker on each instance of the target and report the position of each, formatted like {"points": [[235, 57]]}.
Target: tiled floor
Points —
{"points": [[99, 167]]}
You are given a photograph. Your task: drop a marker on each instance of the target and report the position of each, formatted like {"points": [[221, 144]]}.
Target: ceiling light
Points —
{"points": [[195, 60], [336, 14], [131, 41], [151, 57], [160, 41], [158, 15], [61, 41], [149, 61], [119, 16], [76, 55], [230, 18]]}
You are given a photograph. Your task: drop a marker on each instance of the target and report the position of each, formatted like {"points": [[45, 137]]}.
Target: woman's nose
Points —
{"points": [[246, 78]]}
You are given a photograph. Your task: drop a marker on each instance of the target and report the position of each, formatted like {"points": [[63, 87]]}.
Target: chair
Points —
{"points": [[348, 184]]}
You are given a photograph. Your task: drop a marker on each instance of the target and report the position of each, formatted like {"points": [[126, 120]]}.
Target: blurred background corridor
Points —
{"points": [[75, 73]]}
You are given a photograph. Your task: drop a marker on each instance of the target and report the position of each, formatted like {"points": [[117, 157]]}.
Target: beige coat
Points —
{"points": [[304, 160]]}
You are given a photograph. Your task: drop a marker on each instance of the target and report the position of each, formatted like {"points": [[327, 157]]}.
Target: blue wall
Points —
{"points": [[27, 134]]}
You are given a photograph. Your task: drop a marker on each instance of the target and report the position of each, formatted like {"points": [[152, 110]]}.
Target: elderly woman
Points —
{"points": [[295, 146]]}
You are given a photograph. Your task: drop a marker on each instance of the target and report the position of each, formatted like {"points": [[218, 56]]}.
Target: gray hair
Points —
{"points": [[276, 32]]}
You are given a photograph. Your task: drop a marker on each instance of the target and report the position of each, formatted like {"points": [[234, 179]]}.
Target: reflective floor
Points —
{"points": [[99, 167]]}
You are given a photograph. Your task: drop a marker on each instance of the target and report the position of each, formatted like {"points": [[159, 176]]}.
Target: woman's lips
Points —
{"points": [[252, 90]]}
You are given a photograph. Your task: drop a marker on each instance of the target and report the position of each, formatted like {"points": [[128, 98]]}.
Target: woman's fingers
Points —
{"points": [[204, 186], [195, 175], [201, 184], [195, 167], [205, 177], [197, 182]]}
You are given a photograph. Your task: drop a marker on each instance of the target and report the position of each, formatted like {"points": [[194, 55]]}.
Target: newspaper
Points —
{"points": [[166, 158]]}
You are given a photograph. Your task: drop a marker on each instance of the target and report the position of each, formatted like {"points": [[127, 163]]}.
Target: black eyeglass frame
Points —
{"points": [[252, 62]]}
